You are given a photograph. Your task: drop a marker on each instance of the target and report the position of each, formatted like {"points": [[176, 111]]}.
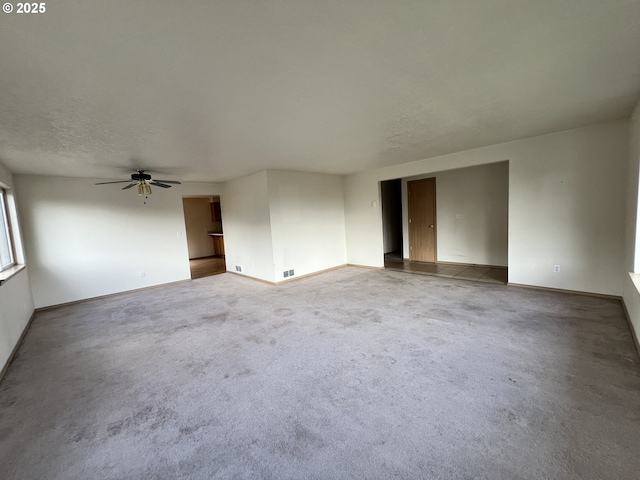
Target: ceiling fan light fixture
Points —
{"points": [[144, 188]]}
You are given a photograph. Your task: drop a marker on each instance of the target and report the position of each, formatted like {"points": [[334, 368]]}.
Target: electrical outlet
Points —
{"points": [[556, 269], [142, 274], [285, 274], [291, 272], [238, 268]]}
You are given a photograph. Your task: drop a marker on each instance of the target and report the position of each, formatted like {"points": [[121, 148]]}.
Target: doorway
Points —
{"points": [[391, 197], [205, 240], [422, 220], [457, 230]]}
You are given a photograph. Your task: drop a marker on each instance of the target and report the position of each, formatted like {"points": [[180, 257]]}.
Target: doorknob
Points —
{"points": [[430, 226]]}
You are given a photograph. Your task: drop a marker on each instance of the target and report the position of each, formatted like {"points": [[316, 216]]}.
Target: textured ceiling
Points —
{"points": [[213, 90]]}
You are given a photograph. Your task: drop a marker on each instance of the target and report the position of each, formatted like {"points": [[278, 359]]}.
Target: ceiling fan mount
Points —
{"points": [[140, 175], [143, 181]]}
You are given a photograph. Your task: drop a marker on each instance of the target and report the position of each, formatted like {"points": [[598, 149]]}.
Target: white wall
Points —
{"points": [[276, 220], [631, 296], [632, 239], [481, 195], [247, 226], [84, 240], [566, 206], [16, 299], [307, 221], [198, 222]]}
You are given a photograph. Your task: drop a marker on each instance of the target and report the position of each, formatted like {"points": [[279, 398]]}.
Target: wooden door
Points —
{"points": [[422, 220]]}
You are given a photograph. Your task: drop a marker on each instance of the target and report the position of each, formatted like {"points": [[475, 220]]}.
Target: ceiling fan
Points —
{"points": [[143, 181]]}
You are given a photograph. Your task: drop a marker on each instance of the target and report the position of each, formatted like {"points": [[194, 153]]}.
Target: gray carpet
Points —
{"points": [[351, 374]]}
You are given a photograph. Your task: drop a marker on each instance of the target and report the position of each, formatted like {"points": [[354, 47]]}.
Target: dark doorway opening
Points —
{"points": [[391, 195]]}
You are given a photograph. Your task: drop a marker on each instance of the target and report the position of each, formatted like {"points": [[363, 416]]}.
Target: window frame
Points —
{"points": [[5, 229]]}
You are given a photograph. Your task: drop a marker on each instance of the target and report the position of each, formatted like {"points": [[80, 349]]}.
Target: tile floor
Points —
{"points": [[473, 273]]}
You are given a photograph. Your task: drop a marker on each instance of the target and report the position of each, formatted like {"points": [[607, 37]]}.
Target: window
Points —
{"points": [[7, 258]]}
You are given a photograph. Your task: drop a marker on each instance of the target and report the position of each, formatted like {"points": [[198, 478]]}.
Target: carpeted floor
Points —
{"points": [[349, 374]]}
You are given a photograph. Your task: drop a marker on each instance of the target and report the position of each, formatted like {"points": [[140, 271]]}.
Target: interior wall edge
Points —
{"points": [[631, 304], [564, 290], [311, 274], [634, 335], [17, 345]]}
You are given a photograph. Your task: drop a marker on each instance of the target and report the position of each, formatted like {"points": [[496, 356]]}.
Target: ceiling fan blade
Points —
{"points": [[130, 185], [119, 181], [155, 182], [169, 181]]}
